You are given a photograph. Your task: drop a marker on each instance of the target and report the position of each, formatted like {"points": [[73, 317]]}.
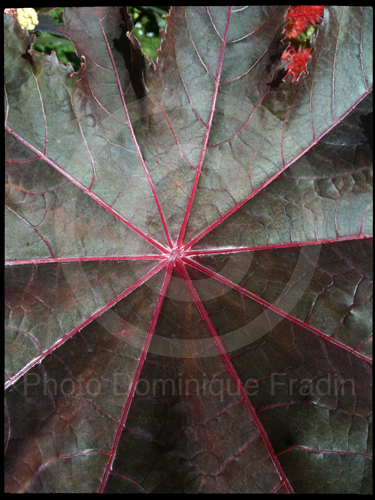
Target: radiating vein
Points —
{"points": [[234, 375], [133, 134], [258, 299], [293, 244], [206, 137], [136, 376], [98, 313], [86, 190], [272, 178], [105, 258]]}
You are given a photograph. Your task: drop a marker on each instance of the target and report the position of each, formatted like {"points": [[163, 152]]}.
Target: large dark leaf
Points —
{"points": [[189, 257]]}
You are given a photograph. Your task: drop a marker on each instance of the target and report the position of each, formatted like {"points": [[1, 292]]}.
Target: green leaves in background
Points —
{"points": [[147, 22]]}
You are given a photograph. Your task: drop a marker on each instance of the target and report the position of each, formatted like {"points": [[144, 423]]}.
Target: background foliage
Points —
{"points": [[147, 23]]}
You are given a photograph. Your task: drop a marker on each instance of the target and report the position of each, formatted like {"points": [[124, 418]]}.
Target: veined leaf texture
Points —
{"points": [[188, 254]]}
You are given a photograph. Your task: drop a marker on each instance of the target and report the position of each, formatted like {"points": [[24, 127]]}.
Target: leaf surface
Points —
{"points": [[189, 257]]}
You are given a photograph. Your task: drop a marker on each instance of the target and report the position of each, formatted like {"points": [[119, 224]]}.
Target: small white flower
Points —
{"points": [[27, 18]]}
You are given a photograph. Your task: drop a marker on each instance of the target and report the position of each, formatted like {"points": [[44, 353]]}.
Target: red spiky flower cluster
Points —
{"points": [[298, 59], [302, 16]]}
